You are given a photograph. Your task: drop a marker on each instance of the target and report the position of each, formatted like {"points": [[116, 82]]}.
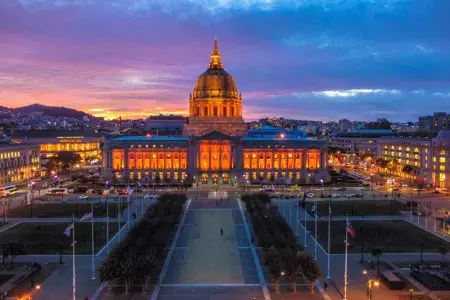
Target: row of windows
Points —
{"points": [[153, 176]]}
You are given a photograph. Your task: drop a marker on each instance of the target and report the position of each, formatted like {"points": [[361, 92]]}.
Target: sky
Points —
{"points": [[303, 59]]}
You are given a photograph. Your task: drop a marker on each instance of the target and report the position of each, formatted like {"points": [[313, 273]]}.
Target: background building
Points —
{"points": [[216, 146], [14, 166], [84, 143], [165, 125], [422, 159]]}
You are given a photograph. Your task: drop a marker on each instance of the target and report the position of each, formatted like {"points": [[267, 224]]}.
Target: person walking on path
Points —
{"points": [[221, 231]]}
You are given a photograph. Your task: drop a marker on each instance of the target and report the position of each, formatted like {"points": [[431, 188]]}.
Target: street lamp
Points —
{"points": [[411, 294], [371, 284], [309, 180], [371, 181]]}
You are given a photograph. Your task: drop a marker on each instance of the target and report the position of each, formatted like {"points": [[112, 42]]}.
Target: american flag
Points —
{"points": [[26, 140], [350, 230], [68, 229], [129, 190], [86, 216]]}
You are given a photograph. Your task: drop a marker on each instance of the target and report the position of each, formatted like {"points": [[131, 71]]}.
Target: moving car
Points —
{"points": [[335, 195], [83, 197], [151, 196]]}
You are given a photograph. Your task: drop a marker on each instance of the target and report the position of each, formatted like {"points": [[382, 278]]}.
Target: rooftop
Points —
{"points": [[152, 138]]}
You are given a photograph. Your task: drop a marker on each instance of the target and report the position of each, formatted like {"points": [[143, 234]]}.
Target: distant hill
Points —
{"points": [[54, 111]]}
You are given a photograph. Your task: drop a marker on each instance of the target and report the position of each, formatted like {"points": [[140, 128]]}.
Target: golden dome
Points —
{"points": [[215, 82]]}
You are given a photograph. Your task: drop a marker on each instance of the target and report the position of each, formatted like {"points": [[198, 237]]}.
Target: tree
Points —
{"points": [[68, 158], [276, 269], [376, 252], [443, 251], [292, 266], [407, 169], [15, 249], [311, 269], [50, 165]]}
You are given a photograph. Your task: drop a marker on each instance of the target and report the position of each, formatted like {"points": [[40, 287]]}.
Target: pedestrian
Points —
{"points": [[221, 231]]}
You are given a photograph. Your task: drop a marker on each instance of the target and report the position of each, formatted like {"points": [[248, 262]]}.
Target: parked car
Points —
{"points": [[335, 195], [151, 196], [342, 189], [83, 197], [349, 195]]}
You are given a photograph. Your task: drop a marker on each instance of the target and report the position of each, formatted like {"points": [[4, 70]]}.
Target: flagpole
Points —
{"points": [[128, 205], [315, 229], [28, 171], [118, 214], [329, 239], [296, 223], [346, 253], [92, 236], [107, 223], [304, 220], [74, 276], [411, 217], [426, 216]]}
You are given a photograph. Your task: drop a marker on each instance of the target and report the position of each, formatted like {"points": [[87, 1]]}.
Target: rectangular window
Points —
{"points": [[442, 159], [205, 111], [232, 111], [224, 112], [215, 111]]}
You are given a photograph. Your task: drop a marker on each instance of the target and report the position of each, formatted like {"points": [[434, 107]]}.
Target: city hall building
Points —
{"points": [[216, 147]]}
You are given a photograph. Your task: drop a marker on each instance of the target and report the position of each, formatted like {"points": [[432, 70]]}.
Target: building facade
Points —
{"points": [[428, 157], [216, 147], [14, 164], [84, 143]]}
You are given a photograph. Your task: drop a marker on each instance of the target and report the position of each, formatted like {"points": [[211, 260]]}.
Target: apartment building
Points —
{"points": [[14, 166]]}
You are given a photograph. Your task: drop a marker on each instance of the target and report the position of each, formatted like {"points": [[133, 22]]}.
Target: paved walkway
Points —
{"points": [[206, 264]]}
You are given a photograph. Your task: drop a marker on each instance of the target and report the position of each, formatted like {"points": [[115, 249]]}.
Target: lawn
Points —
{"points": [[44, 238], [359, 207], [390, 236], [54, 210]]}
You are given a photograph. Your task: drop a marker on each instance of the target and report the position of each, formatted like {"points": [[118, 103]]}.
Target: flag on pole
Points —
{"points": [[350, 230], [139, 184], [313, 208], [86, 216], [129, 190], [68, 229]]}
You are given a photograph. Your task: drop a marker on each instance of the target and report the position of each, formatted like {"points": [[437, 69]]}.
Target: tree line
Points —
{"points": [[138, 258], [281, 252]]}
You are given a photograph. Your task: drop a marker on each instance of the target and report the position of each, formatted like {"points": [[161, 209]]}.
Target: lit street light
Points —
{"points": [[371, 284]]}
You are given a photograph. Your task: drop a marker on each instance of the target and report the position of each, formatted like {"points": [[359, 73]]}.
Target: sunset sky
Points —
{"points": [[304, 59]]}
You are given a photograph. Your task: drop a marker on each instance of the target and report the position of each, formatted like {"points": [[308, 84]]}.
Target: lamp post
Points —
{"points": [[371, 284], [421, 251], [371, 181], [309, 180], [411, 294]]}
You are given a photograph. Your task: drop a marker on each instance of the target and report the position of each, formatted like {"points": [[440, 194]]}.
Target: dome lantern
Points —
{"points": [[215, 62]]}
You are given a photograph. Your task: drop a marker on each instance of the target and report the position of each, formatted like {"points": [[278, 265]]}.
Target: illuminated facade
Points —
{"points": [[216, 147], [14, 166], [428, 158], [84, 143], [86, 148]]}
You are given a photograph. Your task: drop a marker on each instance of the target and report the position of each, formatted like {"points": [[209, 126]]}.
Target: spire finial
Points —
{"points": [[215, 62]]}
